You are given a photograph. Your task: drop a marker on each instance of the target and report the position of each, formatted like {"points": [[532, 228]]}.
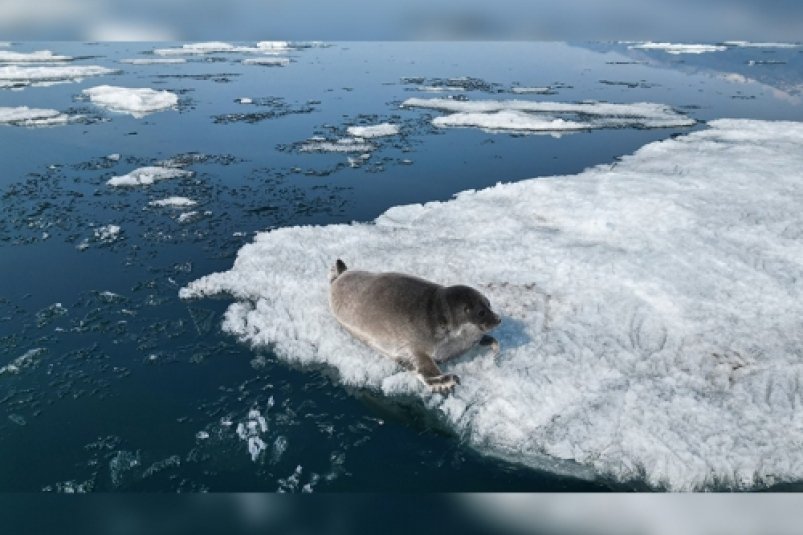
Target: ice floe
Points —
{"points": [[535, 116], [268, 62], [17, 76], [187, 216], [253, 430], [138, 102], [152, 61], [748, 44], [25, 116], [346, 144], [220, 47], [377, 130], [652, 310], [108, 233], [179, 202], [545, 90], [679, 48], [31, 57], [145, 176]]}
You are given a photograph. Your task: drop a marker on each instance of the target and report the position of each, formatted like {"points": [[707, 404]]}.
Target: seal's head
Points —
{"points": [[467, 305]]}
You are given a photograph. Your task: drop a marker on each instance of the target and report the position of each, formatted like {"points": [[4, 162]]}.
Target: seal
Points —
{"points": [[411, 320]]}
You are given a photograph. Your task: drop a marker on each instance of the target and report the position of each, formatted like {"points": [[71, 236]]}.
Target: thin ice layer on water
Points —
{"points": [[7, 56], [542, 116], [269, 62], [21, 76], [652, 310], [220, 47], [152, 61], [138, 102]]}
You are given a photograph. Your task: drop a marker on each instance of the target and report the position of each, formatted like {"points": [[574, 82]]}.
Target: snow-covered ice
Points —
{"points": [[179, 202], [748, 44], [377, 130], [220, 47], [531, 90], [187, 216], [7, 56], [25, 116], [108, 233], [145, 176], [135, 101], [679, 48], [17, 76], [253, 429], [652, 310], [537, 116]]}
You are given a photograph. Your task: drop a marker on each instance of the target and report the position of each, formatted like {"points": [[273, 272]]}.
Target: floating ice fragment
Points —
{"points": [[269, 62], [748, 44], [652, 310], [252, 429], [510, 121], [152, 61], [532, 90], [31, 57], [679, 48], [145, 176], [339, 145], [201, 435], [25, 116], [245, 100], [107, 233], [16, 76], [113, 157], [26, 360], [377, 130], [178, 202], [137, 102], [187, 216]]}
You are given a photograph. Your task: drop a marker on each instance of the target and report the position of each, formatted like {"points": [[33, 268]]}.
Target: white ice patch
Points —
{"points": [[220, 47], [340, 145], [27, 360], [253, 431], [25, 116], [531, 90], [31, 57], [245, 100], [535, 116], [187, 216], [747, 44], [107, 233], [679, 48], [652, 310], [137, 102], [152, 61], [269, 62], [176, 202], [145, 176], [16, 76], [377, 130]]}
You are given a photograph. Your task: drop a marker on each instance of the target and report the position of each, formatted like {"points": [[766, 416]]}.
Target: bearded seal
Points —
{"points": [[411, 320]]}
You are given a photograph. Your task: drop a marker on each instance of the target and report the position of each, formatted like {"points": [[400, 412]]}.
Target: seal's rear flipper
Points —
{"points": [[337, 270]]}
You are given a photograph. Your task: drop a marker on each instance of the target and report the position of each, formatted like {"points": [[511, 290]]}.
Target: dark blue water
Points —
{"points": [[129, 388]]}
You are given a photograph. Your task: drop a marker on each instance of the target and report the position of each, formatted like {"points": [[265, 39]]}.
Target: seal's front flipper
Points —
{"points": [[490, 341], [431, 375]]}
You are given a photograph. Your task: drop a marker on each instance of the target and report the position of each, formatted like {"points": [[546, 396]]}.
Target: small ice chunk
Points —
{"points": [[377, 130], [252, 429], [113, 157], [273, 45], [510, 121], [748, 44], [27, 360], [135, 101], [14, 75], [201, 435], [187, 216], [25, 116], [245, 100], [339, 145], [531, 90], [145, 176], [173, 202], [107, 233]]}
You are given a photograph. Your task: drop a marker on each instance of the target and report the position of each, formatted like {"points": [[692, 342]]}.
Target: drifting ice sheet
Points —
{"points": [[25, 116], [679, 48], [179, 202], [30, 57], [377, 130], [152, 61], [535, 116], [219, 47], [16, 76], [339, 145], [137, 102], [652, 311], [269, 62], [145, 176]]}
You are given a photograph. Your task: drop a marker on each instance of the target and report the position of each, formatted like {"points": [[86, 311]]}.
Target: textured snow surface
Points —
{"points": [[536, 116], [138, 102], [145, 176], [25, 116], [652, 309]]}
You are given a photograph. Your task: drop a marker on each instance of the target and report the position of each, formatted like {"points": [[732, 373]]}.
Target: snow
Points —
{"points": [[145, 176], [679, 48], [269, 62], [340, 145], [748, 44], [14, 75], [377, 130], [25, 116], [652, 309], [173, 202], [30, 57], [152, 61], [520, 115], [137, 102]]}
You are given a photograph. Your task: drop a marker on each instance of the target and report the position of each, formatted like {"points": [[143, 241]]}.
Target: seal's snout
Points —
{"points": [[493, 321]]}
